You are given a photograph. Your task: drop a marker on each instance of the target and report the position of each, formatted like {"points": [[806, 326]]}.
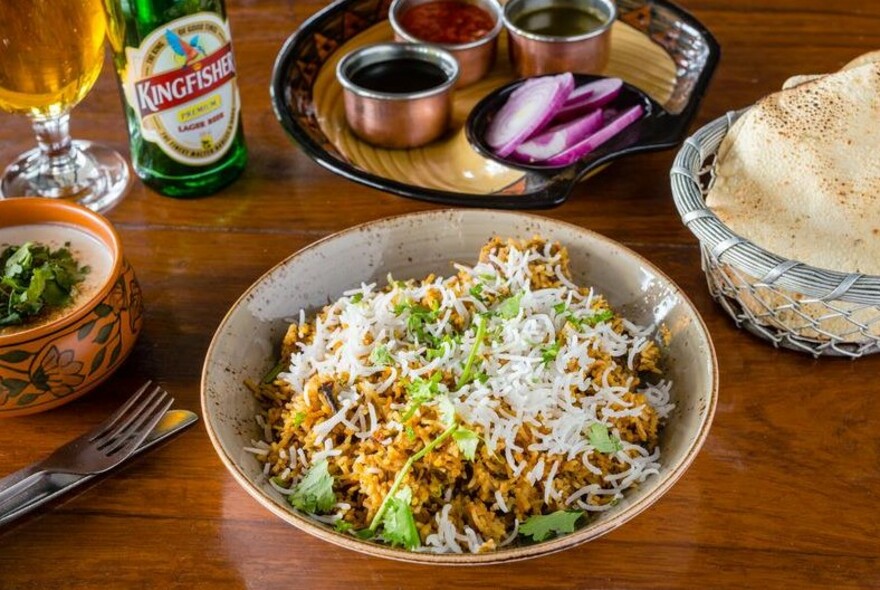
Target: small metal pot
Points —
{"points": [[475, 58], [533, 55], [392, 119]]}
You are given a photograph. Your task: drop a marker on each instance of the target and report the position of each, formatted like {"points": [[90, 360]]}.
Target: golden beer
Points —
{"points": [[51, 52]]}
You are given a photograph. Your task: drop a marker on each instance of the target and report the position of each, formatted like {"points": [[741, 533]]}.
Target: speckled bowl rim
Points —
{"points": [[114, 245], [503, 555]]}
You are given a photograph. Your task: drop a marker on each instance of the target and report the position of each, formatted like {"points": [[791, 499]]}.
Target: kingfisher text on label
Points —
{"points": [[170, 89]]}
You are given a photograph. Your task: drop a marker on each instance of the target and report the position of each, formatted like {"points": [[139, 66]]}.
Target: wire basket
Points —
{"points": [[789, 303]]}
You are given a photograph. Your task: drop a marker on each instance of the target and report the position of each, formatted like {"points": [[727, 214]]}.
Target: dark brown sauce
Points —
{"points": [[399, 76]]}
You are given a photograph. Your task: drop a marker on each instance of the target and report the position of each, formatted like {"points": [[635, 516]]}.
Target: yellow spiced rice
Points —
{"points": [[508, 360]]}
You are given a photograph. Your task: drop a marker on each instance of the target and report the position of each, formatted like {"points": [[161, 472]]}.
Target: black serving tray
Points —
{"points": [[313, 120]]}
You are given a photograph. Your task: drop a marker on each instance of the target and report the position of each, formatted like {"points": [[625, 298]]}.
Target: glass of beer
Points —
{"points": [[51, 52]]}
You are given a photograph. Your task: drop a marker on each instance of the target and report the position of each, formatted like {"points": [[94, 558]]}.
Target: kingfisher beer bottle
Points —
{"points": [[177, 74]]}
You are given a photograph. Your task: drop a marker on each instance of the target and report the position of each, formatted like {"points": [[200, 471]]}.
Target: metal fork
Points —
{"points": [[99, 450]]}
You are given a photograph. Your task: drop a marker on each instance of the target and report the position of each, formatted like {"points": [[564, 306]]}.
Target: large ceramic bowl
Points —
{"points": [[246, 343], [49, 364]]}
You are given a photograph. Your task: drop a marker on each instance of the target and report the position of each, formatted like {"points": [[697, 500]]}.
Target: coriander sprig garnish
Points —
{"points": [[472, 356], [398, 480], [36, 278]]}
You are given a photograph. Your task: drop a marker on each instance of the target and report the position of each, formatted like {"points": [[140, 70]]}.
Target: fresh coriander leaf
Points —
{"points": [[12, 283], [481, 377], [55, 295], [435, 353], [34, 277], [357, 297], [19, 260], [509, 308], [598, 318], [314, 493], [467, 441], [447, 343], [417, 321], [602, 440], [417, 328], [420, 391], [39, 278], [398, 524], [364, 534], [30, 302], [576, 322], [410, 432], [342, 526], [540, 527], [65, 269], [560, 308], [446, 409], [476, 292], [549, 353], [398, 479], [11, 319], [298, 418], [380, 356], [418, 317]]}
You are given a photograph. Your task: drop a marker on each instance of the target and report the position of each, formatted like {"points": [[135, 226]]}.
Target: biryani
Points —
{"points": [[503, 404]]}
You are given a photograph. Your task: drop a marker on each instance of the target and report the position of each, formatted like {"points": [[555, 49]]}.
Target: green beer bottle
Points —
{"points": [[178, 80]]}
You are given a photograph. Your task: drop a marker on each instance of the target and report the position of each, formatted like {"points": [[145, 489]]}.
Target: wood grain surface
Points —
{"points": [[784, 494]]}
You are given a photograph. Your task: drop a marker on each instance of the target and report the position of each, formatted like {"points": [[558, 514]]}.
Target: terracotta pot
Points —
{"points": [[53, 363]]}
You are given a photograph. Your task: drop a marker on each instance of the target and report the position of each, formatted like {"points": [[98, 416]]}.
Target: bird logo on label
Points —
{"points": [[185, 53]]}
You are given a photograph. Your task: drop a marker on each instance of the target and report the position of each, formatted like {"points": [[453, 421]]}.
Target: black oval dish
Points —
{"points": [[691, 46], [655, 130]]}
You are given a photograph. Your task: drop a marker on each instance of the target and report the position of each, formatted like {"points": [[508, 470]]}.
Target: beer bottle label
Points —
{"points": [[181, 85]]}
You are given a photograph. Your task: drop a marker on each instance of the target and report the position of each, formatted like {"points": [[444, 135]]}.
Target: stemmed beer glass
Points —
{"points": [[51, 52]]}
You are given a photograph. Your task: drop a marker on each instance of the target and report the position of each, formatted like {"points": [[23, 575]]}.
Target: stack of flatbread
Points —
{"points": [[799, 175]]}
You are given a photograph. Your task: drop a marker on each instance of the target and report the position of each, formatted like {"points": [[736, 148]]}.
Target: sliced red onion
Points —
{"points": [[557, 139], [579, 93], [527, 111], [579, 150], [588, 97]]}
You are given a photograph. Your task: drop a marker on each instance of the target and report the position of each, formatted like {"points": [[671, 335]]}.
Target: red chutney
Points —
{"points": [[447, 21]]}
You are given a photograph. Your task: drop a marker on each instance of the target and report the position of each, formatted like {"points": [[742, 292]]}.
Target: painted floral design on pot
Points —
{"points": [[45, 373]]}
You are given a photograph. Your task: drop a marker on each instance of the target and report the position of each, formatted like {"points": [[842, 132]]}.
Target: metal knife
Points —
{"points": [[52, 485]]}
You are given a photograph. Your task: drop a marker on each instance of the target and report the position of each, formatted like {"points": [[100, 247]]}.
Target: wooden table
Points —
{"points": [[783, 494]]}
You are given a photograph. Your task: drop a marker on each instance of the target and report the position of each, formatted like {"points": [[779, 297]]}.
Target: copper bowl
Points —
{"points": [[533, 55], [476, 58], [397, 119]]}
